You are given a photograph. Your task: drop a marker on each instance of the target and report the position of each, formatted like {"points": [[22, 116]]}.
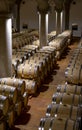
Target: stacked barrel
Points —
{"points": [[73, 72], [68, 33], [13, 99], [61, 42], [31, 63], [51, 36], [65, 110], [37, 67]]}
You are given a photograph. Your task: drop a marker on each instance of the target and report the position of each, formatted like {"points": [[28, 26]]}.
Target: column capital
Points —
{"points": [[44, 11], [59, 10]]}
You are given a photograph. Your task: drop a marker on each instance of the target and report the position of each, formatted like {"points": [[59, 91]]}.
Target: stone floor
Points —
{"points": [[37, 105]]}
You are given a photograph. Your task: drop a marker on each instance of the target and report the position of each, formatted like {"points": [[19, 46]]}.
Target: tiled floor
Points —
{"points": [[30, 119]]}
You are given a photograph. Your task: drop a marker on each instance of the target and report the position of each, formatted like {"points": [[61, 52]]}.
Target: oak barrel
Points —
{"points": [[66, 98], [70, 88], [4, 104], [18, 108], [58, 124], [15, 82], [28, 71], [10, 92], [64, 111], [25, 99], [31, 86], [10, 118]]}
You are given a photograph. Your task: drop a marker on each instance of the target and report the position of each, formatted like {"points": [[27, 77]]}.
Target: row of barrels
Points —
{"points": [[65, 110], [33, 63], [13, 99], [34, 67], [25, 39], [73, 73], [60, 43], [20, 55]]}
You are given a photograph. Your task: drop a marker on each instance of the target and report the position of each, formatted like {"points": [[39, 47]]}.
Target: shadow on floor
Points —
{"points": [[65, 53], [23, 118]]}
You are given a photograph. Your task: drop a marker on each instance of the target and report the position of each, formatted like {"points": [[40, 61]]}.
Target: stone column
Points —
{"points": [[5, 45], [43, 28], [67, 13], [59, 21]]}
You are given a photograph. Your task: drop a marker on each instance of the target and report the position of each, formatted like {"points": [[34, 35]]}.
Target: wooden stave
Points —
{"points": [[18, 108], [70, 88], [32, 72], [43, 60], [37, 63], [4, 104], [64, 111], [56, 123], [15, 82], [18, 57], [23, 54], [25, 100], [10, 92], [63, 99], [47, 58], [10, 118], [31, 86]]}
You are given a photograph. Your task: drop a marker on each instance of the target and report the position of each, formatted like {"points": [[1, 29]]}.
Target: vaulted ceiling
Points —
{"points": [[6, 5]]}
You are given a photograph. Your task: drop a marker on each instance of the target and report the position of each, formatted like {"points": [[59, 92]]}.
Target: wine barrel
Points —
{"points": [[15, 63], [17, 58], [10, 118], [4, 104], [73, 72], [22, 54], [64, 111], [15, 82], [25, 51], [45, 56], [58, 124], [14, 71], [32, 51], [43, 59], [38, 63], [25, 99], [30, 71], [68, 73], [31, 47], [53, 50], [10, 92], [15, 44], [66, 98], [70, 88], [36, 42], [18, 108], [76, 75], [50, 61], [31, 86]]}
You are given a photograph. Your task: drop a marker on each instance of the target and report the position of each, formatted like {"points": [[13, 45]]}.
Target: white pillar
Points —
{"points": [[5, 45], [43, 28], [59, 22]]}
